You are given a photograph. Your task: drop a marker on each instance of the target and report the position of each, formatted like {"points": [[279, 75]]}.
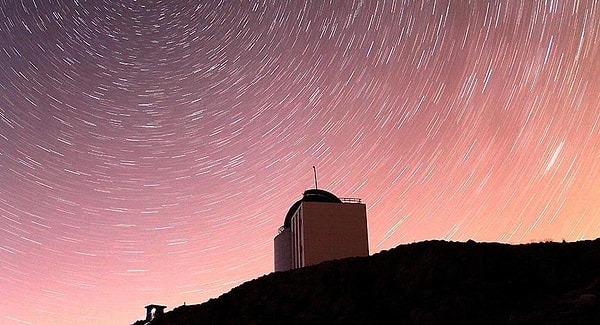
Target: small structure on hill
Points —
{"points": [[153, 310]]}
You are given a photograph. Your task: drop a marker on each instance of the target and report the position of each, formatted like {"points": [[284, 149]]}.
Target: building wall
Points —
{"points": [[297, 240], [283, 250], [331, 231]]}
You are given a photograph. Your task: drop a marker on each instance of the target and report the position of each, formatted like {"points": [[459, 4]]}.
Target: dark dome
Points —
{"points": [[313, 195]]}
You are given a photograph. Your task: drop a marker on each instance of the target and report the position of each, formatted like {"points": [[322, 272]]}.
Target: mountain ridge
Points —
{"points": [[427, 282]]}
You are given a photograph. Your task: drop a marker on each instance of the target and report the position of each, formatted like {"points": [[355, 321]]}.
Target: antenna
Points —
{"points": [[315, 172]]}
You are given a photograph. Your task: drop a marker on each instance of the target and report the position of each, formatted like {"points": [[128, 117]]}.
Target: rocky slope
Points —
{"points": [[433, 282]]}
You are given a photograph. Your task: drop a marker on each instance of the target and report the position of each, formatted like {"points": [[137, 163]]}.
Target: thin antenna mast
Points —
{"points": [[315, 172]]}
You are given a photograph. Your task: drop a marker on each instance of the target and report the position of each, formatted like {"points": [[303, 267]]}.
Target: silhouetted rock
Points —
{"points": [[433, 282]]}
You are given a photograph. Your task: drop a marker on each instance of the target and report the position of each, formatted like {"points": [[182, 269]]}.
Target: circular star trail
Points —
{"points": [[150, 149]]}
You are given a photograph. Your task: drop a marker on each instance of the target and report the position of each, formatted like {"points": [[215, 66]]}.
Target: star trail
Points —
{"points": [[149, 150]]}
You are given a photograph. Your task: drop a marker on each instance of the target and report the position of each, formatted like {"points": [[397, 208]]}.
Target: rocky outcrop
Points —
{"points": [[433, 282]]}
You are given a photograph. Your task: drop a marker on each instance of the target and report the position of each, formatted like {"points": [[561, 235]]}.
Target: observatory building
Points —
{"points": [[321, 227]]}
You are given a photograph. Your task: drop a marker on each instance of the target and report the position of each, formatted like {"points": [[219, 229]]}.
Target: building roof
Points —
{"points": [[312, 195], [156, 306]]}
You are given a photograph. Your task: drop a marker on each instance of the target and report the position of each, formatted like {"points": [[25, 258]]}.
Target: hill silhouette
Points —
{"points": [[432, 282]]}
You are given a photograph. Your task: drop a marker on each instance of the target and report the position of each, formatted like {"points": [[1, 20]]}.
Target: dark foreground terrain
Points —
{"points": [[433, 282]]}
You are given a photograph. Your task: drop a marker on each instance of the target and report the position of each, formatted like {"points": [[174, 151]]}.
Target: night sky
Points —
{"points": [[149, 150]]}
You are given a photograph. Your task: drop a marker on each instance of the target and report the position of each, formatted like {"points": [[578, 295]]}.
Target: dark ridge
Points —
{"points": [[433, 282]]}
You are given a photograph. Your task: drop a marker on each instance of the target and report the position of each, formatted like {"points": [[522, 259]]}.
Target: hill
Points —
{"points": [[432, 282]]}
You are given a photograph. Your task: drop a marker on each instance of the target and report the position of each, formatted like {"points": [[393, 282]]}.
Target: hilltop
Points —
{"points": [[431, 282]]}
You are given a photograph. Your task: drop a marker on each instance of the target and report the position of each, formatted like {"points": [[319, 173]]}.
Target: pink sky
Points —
{"points": [[149, 151]]}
